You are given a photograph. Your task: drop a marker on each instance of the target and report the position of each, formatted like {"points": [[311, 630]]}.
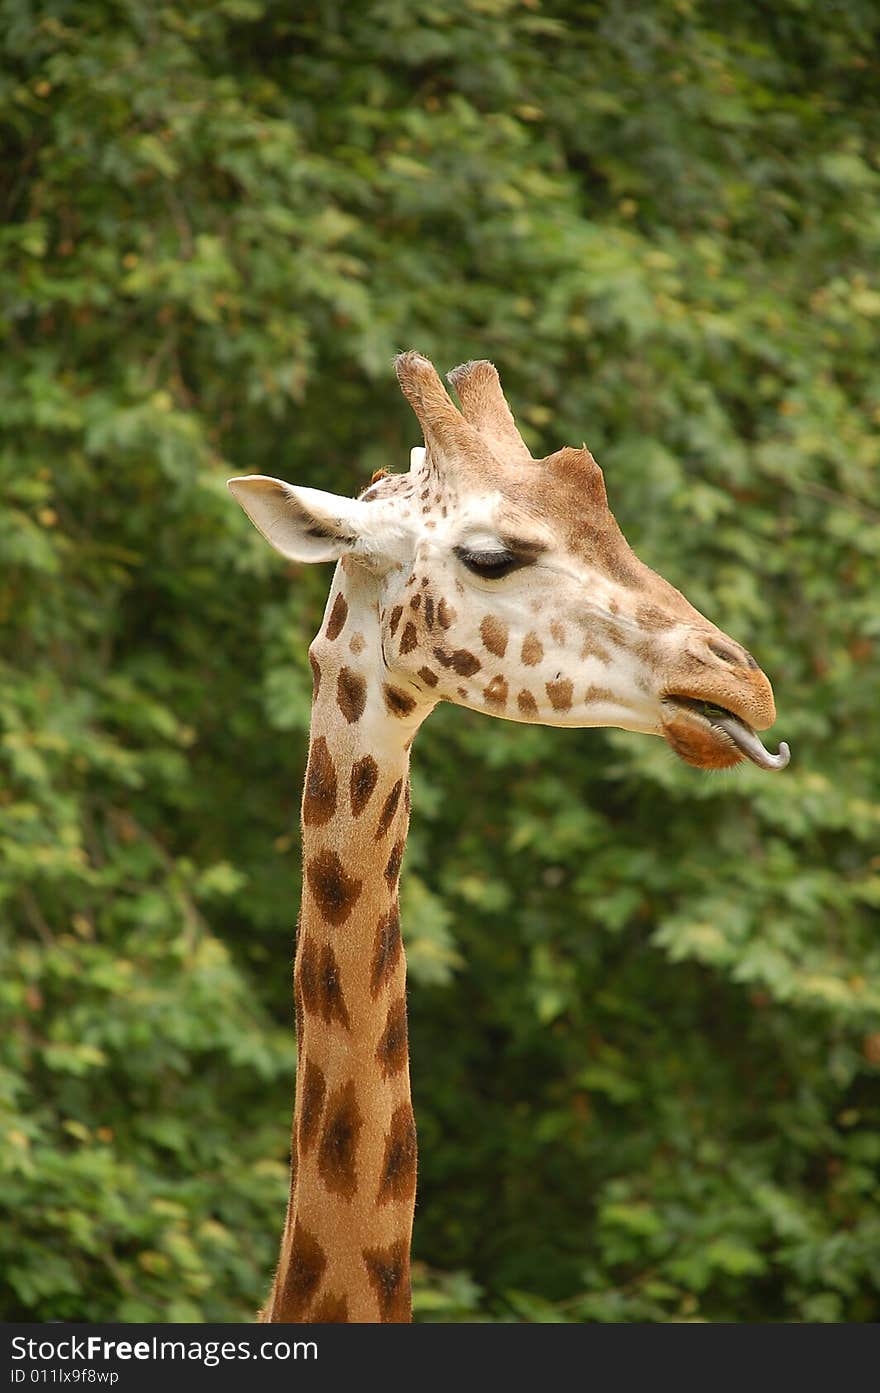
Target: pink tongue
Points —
{"points": [[747, 741]]}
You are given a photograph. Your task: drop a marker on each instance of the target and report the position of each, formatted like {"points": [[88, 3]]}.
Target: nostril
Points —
{"points": [[737, 657], [728, 654]]}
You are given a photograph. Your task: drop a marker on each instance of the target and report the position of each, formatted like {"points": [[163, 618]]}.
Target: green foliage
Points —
{"points": [[646, 1003]]}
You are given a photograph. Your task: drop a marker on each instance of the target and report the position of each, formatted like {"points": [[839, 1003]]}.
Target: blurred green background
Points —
{"points": [[645, 1002]]}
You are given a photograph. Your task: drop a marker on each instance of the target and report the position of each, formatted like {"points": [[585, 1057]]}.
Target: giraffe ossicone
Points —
{"points": [[495, 581]]}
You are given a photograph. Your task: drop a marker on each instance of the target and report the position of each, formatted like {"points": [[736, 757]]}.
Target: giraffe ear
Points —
{"points": [[303, 524]]}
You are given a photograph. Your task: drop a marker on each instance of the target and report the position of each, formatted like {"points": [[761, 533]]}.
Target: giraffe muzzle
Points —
{"points": [[713, 720]]}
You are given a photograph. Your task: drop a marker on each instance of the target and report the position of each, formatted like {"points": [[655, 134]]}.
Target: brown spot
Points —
{"points": [[429, 611], [357, 643], [388, 1270], [316, 675], [494, 635], [398, 1179], [330, 1310], [446, 615], [594, 693], [557, 630], [560, 694], [428, 677], [645, 649], [425, 580], [652, 618], [397, 702], [386, 950], [338, 616], [314, 1088], [415, 602], [392, 870], [395, 618], [389, 809], [408, 638], [339, 1139], [608, 629], [364, 776], [319, 797], [302, 1278], [613, 607], [307, 979], [527, 704], [351, 694], [496, 692], [391, 1051], [335, 892], [595, 650], [532, 650], [462, 692], [331, 1005], [462, 662]]}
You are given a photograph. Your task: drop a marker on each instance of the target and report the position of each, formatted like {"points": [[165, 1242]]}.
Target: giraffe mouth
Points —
{"points": [[718, 719]]}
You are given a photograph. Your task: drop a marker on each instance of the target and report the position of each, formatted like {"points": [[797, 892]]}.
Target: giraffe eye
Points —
{"points": [[491, 565]]}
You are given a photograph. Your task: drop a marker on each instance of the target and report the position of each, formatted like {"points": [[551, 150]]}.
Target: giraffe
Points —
{"points": [[501, 583]]}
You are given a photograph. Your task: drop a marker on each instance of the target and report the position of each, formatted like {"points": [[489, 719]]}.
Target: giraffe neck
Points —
{"points": [[345, 1251]]}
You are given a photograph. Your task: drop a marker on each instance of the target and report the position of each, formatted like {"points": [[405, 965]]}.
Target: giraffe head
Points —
{"points": [[503, 583]]}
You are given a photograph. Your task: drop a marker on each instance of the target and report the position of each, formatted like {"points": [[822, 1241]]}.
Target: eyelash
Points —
{"points": [[491, 565]]}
